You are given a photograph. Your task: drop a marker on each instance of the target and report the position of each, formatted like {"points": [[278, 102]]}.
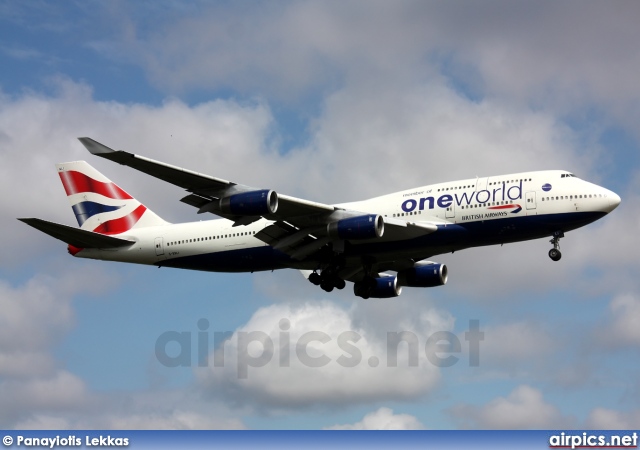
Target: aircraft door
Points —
{"points": [[451, 211], [481, 184], [159, 247], [530, 199]]}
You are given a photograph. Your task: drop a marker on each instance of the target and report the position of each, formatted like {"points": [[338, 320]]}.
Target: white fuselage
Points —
{"points": [[488, 211]]}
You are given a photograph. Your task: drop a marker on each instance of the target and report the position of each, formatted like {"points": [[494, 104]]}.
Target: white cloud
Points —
{"points": [[415, 135], [37, 314], [609, 419], [288, 49], [523, 408], [176, 420], [53, 394], [147, 410], [622, 330], [526, 51], [37, 131], [607, 247], [35, 317], [352, 365], [276, 49], [383, 419]]}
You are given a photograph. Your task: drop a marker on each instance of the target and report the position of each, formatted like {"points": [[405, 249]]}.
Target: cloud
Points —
{"points": [[523, 408], [290, 48], [37, 131], [294, 356], [37, 392], [280, 50], [383, 419], [415, 135], [622, 329], [563, 57], [607, 259], [147, 410], [54, 394], [36, 315], [608, 419]]}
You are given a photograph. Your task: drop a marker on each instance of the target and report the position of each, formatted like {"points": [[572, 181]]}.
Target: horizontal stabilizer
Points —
{"points": [[75, 236]]}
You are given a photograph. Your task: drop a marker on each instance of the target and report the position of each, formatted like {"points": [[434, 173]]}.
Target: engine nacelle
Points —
{"points": [[383, 287], [254, 203], [428, 275], [362, 227]]}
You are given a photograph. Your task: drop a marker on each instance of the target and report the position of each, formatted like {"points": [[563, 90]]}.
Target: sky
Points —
{"points": [[333, 102]]}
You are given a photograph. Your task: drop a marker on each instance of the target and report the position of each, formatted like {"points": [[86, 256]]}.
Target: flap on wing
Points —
{"points": [[75, 236], [298, 243], [291, 207]]}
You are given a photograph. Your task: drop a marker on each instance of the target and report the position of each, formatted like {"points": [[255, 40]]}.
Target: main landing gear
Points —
{"points": [[555, 253], [327, 280]]}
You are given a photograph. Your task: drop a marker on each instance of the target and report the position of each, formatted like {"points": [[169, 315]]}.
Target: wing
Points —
{"points": [[206, 191], [300, 227]]}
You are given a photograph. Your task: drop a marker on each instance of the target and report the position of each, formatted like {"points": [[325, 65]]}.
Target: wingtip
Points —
{"points": [[95, 147]]}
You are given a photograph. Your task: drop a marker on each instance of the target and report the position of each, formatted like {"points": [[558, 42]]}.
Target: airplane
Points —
{"points": [[359, 242]]}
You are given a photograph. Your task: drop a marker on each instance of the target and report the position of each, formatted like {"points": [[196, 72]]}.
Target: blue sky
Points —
{"points": [[332, 102]]}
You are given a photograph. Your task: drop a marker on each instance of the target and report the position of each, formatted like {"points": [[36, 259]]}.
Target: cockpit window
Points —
{"points": [[567, 175]]}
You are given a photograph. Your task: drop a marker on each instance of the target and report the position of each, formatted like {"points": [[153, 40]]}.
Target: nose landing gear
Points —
{"points": [[555, 253]]}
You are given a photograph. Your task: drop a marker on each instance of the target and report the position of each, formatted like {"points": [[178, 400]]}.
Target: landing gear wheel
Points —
{"points": [[315, 278], [340, 283], [555, 254], [328, 287]]}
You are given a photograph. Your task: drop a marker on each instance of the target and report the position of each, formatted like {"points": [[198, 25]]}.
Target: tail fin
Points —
{"points": [[99, 204]]}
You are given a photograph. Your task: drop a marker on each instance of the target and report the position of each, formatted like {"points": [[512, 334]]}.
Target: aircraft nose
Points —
{"points": [[614, 200]]}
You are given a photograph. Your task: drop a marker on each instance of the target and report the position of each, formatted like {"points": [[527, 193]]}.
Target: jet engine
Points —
{"points": [[427, 275], [254, 203], [362, 227], [383, 287]]}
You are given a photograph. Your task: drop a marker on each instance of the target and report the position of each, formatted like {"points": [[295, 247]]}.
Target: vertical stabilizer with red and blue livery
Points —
{"points": [[99, 204]]}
